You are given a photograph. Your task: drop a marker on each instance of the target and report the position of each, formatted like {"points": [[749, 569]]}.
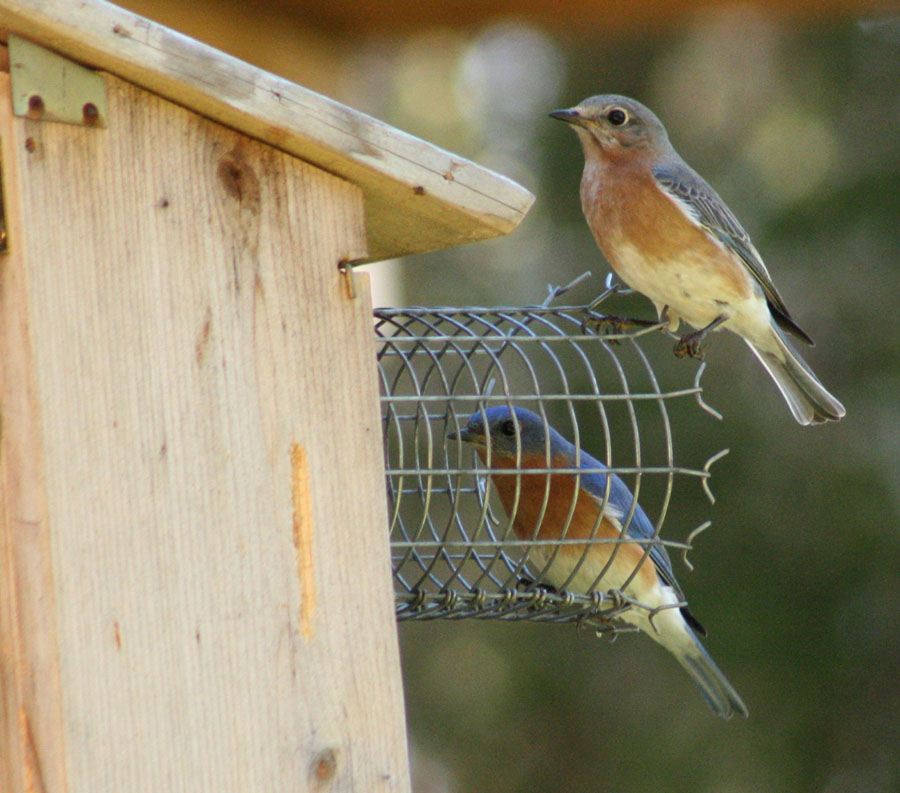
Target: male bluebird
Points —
{"points": [[667, 234], [588, 504]]}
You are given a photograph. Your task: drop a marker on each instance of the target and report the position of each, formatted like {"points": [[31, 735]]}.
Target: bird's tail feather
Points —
{"points": [[808, 399], [716, 690]]}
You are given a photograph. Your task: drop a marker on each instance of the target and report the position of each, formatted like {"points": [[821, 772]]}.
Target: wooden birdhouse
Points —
{"points": [[195, 587]]}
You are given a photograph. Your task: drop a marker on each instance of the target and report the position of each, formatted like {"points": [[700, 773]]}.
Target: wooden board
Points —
{"points": [[195, 588], [418, 197], [31, 738]]}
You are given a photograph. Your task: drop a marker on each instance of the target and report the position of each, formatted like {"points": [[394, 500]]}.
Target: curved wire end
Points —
{"points": [[481, 485], [689, 544], [554, 292], [699, 393], [612, 286], [706, 466], [653, 612]]}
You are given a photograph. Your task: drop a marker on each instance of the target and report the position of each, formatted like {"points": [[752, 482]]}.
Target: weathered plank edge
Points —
{"points": [[34, 734], [455, 201]]}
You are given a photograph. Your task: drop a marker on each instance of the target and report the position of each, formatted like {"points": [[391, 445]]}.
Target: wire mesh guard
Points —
{"points": [[455, 550]]}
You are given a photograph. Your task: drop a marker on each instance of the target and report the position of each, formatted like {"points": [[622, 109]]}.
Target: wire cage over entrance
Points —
{"points": [[455, 553]]}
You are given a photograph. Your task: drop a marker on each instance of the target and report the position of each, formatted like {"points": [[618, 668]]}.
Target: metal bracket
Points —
{"points": [[49, 87], [345, 267]]}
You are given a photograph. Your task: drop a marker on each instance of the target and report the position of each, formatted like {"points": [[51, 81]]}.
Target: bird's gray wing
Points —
{"points": [[703, 204], [640, 527], [617, 506]]}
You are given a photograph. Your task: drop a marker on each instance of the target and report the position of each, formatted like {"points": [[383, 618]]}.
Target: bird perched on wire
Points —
{"points": [[668, 235], [584, 502]]}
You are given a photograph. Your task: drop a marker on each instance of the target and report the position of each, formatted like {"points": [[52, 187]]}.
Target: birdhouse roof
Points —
{"points": [[418, 197]]}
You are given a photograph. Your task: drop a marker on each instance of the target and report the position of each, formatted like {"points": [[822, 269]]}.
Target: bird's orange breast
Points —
{"points": [[623, 204], [541, 508], [636, 225], [541, 505]]}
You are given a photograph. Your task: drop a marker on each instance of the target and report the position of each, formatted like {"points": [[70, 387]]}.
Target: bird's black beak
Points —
{"points": [[569, 116], [465, 435]]}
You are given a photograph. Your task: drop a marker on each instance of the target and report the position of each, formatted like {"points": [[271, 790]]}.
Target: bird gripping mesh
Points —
{"points": [[454, 550]]}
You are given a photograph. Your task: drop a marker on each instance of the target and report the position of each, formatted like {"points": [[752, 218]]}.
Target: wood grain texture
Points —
{"points": [[189, 330], [32, 752], [418, 197]]}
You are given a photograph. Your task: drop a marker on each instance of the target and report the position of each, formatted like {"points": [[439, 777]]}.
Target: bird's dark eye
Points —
{"points": [[617, 117], [508, 428]]}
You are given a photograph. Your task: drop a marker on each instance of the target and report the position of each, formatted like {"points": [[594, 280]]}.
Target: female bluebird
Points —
{"points": [[667, 233], [587, 503]]}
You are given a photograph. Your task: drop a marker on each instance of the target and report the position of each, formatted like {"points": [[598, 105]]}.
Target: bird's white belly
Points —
{"points": [[567, 570], [567, 562], [584, 578], [694, 290]]}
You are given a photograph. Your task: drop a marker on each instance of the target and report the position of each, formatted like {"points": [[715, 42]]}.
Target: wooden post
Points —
{"points": [[195, 590]]}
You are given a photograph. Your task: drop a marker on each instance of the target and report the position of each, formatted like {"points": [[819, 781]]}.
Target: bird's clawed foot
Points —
{"points": [[601, 625], [689, 346], [611, 605], [526, 583], [610, 325]]}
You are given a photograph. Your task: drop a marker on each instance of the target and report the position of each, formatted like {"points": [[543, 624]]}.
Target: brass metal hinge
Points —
{"points": [[49, 87]]}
